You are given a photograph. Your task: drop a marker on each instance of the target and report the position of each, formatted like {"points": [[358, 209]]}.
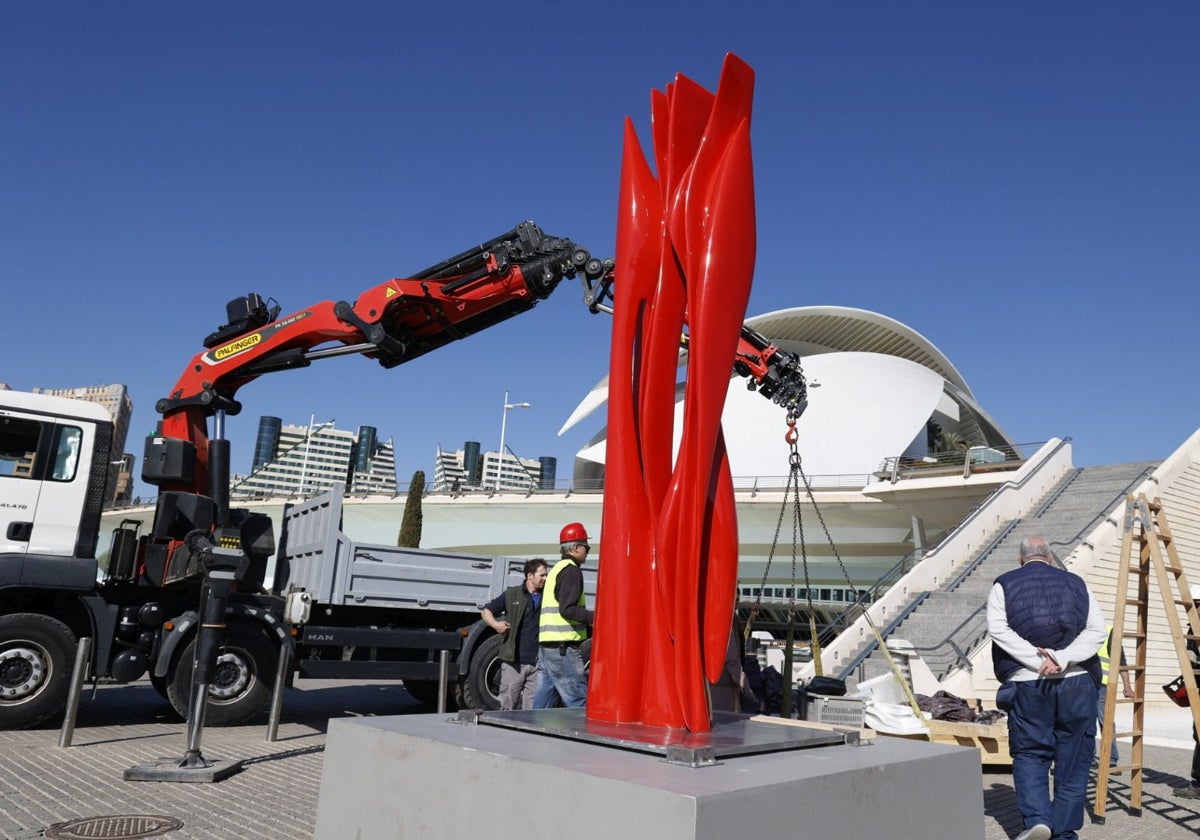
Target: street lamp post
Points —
{"points": [[312, 431], [503, 424]]}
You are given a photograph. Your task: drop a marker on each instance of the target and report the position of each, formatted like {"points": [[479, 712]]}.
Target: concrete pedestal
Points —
{"points": [[430, 776]]}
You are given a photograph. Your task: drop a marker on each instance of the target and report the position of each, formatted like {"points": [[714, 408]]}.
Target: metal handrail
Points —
{"points": [[1103, 514], [867, 597], [1053, 497], [897, 467], [981, 555], [754, 484], [873, 642]]}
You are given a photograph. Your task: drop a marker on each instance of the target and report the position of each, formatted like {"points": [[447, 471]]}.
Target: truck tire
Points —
{"points": [[481, 689], [242, 681], [36, 652], [425, 692]]}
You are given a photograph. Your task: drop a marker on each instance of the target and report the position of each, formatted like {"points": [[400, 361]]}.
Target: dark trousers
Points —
{"points": [[1053, 724], [1195, 759]]}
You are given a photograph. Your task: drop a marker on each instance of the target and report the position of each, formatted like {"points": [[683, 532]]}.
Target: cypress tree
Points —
{"points": [[410, 524]]}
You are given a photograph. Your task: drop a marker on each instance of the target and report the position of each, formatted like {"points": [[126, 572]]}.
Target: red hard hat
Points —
{"points": [[572, 533]]}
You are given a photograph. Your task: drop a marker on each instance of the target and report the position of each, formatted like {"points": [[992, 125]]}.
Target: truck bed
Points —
{"points": [[316, 556]]}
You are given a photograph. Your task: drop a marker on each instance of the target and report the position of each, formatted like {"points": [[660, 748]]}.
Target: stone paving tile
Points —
{"points": [[275, 796]]}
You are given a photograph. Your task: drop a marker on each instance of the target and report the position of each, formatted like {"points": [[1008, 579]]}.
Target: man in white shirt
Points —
{"points": [[1046, 628]]}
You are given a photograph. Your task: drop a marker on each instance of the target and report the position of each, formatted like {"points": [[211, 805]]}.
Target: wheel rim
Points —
{"points": [[232, 676], [491, 681], [24, 670]]}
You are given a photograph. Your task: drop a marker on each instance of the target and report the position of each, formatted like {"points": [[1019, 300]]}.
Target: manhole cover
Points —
{"points": [[122, 827]]}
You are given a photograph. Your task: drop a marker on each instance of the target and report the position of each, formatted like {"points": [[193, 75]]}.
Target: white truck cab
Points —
{"points": [[54, 455]]}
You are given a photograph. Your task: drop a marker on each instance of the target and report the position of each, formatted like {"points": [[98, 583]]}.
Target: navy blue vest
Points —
{"points": [[1048, 607]]}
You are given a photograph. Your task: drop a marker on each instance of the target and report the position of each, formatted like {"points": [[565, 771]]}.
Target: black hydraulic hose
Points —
{"points": [[472, 258]]}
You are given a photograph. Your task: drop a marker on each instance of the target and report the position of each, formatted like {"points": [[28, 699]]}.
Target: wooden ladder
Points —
{"points": [[1146, 529]]}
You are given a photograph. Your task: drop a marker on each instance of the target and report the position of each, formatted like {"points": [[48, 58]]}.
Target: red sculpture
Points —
{"points": [[684, 256]]}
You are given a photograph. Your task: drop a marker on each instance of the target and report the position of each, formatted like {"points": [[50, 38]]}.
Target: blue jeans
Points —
{"points": [[1053, 722], [561, 674]]}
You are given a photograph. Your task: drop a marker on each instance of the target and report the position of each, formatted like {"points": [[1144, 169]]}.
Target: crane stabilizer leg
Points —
{"points": [[223, 568]]}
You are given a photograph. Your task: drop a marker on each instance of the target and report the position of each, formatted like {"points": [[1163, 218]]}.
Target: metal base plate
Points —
{"points": [[175, 770], [731, 734]]}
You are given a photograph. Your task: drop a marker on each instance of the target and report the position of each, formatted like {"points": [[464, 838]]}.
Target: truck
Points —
{"points": [[336, 609]]}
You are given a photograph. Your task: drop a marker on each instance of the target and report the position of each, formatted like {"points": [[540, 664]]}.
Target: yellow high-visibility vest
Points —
{"points": [[1105, 659], [553, 626]]}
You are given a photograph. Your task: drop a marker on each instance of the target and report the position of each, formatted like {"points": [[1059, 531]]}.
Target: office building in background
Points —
{"points": [[470, 469], [118, 489], [307, 460]]}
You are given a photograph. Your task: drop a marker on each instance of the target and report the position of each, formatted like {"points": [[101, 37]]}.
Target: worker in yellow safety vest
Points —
{"points": [[563, 625], [1114, 757]]}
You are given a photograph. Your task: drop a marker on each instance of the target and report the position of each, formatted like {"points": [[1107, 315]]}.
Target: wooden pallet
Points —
{"points": [[991, 740]]}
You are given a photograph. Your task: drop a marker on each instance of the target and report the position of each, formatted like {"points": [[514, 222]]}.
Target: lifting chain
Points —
{"points": [[791, 489], [796, 477]]}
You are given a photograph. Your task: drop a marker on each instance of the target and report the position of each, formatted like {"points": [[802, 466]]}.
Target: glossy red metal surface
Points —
{"points": [[685, 255]]}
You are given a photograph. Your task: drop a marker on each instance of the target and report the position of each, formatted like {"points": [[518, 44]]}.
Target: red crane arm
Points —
{"points": [[393, 322]]}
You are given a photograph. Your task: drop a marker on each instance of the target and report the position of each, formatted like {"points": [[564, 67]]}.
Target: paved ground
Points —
{"points": [[275, 796]]}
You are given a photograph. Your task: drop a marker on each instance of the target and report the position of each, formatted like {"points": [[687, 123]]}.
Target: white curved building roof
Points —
{"points": [[874, 385]]}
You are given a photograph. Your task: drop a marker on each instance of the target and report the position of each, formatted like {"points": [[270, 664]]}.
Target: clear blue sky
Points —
{"points": [[1016, 181]]}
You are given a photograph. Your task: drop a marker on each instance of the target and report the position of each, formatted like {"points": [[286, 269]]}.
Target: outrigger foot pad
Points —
{"points": [[193, 767]]}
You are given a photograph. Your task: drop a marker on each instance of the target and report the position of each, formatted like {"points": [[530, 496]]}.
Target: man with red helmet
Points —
{"points": [[563, 624]]}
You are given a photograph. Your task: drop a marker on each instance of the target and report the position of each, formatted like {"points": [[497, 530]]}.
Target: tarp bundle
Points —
{"points": [[945, 706]]}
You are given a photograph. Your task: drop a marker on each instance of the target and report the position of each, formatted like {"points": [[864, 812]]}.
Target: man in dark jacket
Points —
{"points": [[520, 606], [1046, 628]]}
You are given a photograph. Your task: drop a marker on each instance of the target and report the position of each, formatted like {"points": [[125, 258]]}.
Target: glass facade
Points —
{"points": [[266, 445], [472, 465], [548, 472], [366, 448]]}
